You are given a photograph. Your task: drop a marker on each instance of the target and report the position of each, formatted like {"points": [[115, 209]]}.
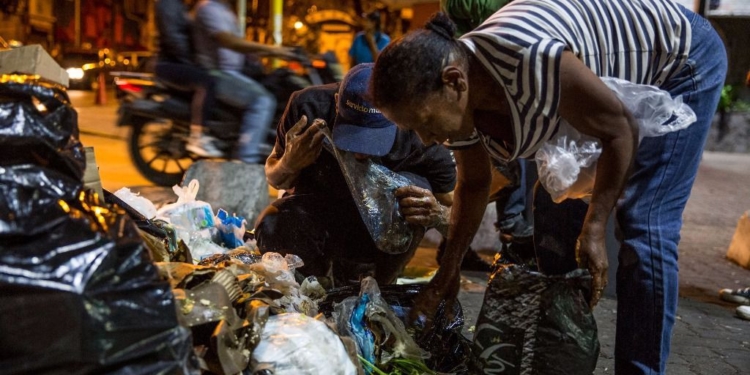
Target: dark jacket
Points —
{"points": [[172, 21]]}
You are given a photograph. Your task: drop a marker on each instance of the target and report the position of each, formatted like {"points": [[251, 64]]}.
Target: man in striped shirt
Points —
{"points": [[501, 90]]}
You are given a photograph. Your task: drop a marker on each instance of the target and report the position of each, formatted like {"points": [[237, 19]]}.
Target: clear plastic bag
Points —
{"points": [[373, 188], [566, 163], [144, 206]]}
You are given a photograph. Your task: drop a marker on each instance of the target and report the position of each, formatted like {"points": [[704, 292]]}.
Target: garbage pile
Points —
{"points": [[80, 294]]}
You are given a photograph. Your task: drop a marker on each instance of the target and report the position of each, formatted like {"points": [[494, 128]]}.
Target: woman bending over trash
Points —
{"points": [[500, 92]]}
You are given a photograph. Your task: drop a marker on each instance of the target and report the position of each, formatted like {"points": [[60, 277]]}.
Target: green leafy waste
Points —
{"points": [[398, 366]]}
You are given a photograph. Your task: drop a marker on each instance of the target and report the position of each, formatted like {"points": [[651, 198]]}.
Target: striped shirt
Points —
{"points": [[642, 41]]}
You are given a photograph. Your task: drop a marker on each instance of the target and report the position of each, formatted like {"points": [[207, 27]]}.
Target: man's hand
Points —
{"points": [[591, 253], [420, 207], [303, 145]]}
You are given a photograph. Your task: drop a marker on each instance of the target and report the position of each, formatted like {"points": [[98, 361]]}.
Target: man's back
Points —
{"points": [[211, 18], [175, 43]]}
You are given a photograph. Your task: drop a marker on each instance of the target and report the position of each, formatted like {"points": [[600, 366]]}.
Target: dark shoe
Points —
{"points": [[741, 296]]}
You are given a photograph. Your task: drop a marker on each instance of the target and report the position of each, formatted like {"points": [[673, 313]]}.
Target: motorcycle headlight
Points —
{"points": [[75, 73]]}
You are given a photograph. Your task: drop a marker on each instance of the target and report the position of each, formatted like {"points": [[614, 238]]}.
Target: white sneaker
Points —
{"points": [[203, 146], [743, 312], [741, 296]]}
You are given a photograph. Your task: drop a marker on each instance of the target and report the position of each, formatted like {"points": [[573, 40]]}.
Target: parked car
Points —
{"points": [[84, 65]]}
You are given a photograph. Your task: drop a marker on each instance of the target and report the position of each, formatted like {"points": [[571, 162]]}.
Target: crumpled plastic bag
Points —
{"points": [[531, 323], [566, 163], [144, 206], [231, 229], [373, 188], [295, 344]]}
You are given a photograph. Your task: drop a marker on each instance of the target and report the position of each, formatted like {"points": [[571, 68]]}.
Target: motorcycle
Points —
{"points": [[159, 115]]}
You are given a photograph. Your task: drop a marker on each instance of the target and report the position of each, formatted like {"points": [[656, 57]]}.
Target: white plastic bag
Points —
{"points": [[566, 164], [187, 215], [144, 206], [295, 344]]}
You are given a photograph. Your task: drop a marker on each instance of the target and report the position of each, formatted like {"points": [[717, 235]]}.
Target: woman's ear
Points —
{"points": [[455, 78]]}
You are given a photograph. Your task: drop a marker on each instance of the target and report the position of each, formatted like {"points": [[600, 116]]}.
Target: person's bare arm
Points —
{"points": [[235, 43], [469, 204], [593, 109], [303, 146]]}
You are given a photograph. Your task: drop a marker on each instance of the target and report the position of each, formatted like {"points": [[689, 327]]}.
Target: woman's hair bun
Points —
{"points": [[442, 25]]}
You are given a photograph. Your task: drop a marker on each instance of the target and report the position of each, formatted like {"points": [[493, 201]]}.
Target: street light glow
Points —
{"points": [[298, 25]]}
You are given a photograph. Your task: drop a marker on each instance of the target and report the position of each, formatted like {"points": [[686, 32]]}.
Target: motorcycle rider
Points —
{"points": [[221, 49], [176, 66]]}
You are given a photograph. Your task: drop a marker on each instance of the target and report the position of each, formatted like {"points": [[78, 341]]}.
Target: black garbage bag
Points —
{"points": [[535, 324], [78, 292], [449, 350]]}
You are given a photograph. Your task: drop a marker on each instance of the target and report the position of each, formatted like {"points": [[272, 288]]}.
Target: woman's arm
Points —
{"points": [[593, 109], [469, 204]]}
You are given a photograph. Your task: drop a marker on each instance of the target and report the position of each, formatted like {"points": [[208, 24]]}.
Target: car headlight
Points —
{"points": [[74, 73]]}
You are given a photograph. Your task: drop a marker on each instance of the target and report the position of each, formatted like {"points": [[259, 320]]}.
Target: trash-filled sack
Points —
{"points": [[530, 323], [296, 344], [193, 219], [383, 341], [373, 188], [567, 163], [80, 294]]}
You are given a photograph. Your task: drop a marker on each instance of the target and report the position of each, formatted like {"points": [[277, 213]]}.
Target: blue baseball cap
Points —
{"points": [[359, 126]]}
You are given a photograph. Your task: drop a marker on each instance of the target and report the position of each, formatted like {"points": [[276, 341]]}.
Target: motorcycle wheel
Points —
{"points": [[157, 149]]}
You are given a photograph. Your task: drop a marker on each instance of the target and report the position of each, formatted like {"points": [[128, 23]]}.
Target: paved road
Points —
{"points": [[707, 338]]}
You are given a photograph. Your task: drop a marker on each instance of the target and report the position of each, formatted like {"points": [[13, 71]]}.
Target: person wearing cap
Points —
{"points": [[319, 220]]}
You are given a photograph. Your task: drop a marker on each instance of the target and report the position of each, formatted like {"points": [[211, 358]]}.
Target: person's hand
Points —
{"points": [[420, 207], [591, 253], [303, 144], [443, 287]]}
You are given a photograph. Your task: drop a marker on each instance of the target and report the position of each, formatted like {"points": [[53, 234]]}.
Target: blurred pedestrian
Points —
{"points": [[370, 41]]}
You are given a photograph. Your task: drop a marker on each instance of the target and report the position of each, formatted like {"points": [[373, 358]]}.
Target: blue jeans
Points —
{"points": [[259, 106], [648, 215]]}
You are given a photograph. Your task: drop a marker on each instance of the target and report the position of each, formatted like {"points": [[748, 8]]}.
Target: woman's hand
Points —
{"points": [[591, 253], [443, 287]]}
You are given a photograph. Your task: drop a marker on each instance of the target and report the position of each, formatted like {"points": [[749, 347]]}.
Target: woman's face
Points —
{"points": [[439, 117]]}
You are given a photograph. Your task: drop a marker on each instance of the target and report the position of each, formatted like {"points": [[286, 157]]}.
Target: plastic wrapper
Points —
{"points": [[567, 162], [373, 188], [295, 344], [231, 228], [443, 348], [536, 324], [80, 294], [144, 206]]}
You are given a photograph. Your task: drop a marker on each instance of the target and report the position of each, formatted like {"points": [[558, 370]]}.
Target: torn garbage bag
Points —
{"points": [[79, 293], [567, 162], [373, 188], [535, 324]]}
